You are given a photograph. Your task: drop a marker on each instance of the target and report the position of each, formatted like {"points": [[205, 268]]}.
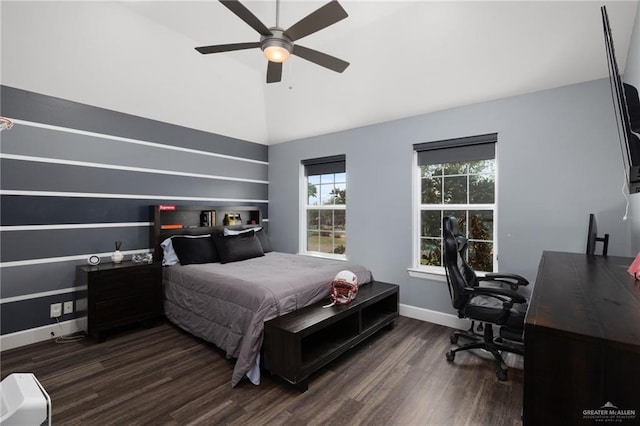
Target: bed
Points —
{"points": [[227, 304], [225, 297]]}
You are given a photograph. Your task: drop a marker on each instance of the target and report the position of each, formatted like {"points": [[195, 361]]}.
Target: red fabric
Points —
{"points": [[634, 268]]}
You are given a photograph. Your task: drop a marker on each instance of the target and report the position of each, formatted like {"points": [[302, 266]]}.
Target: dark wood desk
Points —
{"points": [[582, 339]]}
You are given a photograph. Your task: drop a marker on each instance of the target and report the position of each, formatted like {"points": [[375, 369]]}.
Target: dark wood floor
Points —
{"points": [[162, 375]]}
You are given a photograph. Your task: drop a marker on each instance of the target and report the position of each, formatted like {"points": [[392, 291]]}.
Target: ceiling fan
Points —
{"points": [[277, 44]]}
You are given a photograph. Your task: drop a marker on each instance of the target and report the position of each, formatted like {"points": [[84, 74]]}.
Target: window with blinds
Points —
{"points": [[324, 206], [456, 177]]}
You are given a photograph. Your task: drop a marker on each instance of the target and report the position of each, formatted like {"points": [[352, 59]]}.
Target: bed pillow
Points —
{"points": [[260, 233], [195, 250], [263, 237], [228, 231], [169, 256], [233, 248]]}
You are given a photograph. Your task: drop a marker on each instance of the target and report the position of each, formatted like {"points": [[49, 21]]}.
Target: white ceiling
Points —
{"points": [[407, 58]]}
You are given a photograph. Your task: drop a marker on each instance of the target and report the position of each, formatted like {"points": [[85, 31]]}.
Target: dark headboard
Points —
{"points": [[170, 219]]}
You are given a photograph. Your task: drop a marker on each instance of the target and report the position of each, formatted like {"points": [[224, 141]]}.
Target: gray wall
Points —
{"points": [[99, 172], [558, 161], [632, 76], [632, 68]]}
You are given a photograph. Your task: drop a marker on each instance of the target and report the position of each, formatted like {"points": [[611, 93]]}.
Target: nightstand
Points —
{"points": [[120, 294]]}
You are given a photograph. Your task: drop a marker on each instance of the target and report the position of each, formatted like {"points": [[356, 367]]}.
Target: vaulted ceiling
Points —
{"points": [[407, 58]]}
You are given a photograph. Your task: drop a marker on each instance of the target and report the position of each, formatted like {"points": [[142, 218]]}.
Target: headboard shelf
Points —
{"points": [[170, 219]]}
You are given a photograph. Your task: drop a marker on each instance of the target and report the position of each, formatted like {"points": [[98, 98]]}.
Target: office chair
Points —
{"points": [[489, 305]]}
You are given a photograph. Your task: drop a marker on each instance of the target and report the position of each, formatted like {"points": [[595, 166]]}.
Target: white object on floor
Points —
{"points": [[23, 401]]}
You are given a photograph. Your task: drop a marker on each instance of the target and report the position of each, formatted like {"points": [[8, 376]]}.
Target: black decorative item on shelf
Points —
{"points": [[231, 219]]}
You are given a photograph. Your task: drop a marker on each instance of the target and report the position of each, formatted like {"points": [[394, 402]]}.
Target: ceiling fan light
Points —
{"points": [[276, 53]]}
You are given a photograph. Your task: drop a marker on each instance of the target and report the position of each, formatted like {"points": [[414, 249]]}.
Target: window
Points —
{"points": [[324, 207], [456, 177]]}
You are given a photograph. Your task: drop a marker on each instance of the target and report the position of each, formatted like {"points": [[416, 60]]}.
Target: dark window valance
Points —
{"points": [[324, 165], [471, 148]]}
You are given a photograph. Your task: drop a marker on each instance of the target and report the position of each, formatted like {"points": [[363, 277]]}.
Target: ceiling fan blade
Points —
{"points": [[327, 15], [274, 72], [322, 59], [226, 47], [243, 13]]}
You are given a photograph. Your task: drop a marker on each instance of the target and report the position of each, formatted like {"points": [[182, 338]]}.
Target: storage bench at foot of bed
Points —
{"points": [[301, 342]]}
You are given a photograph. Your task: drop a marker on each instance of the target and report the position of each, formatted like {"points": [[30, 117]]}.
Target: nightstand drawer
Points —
{"points": [[121, 287], [127, 310]]}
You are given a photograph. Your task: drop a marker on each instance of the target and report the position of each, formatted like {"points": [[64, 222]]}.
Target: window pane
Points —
{"points": [[339, 218], [455, 190], [313, 241], [327, 178], [482, 166], [461, 217], [430, 251], [455, 168], [482, 189], [481, 225], [481, 256], [313, 219], [326, 242], [341, 177], [340, 234], [313, 179], [338, 195], [312, 193], [326, 220], [431, 170], [430, 223], [325, 194], [432, 191]]}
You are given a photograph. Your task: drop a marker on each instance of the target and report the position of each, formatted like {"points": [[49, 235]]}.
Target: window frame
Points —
{"points": [[437, 273], [305, 207]]}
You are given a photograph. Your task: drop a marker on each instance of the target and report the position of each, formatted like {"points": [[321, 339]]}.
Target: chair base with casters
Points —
{"points": [[494, 345]]}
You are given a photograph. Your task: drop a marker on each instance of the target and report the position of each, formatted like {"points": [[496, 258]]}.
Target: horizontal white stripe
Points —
{"points": [[74, 226], [43, 294], [43, 260], [134, 141], [125, 168], [121, 196]]}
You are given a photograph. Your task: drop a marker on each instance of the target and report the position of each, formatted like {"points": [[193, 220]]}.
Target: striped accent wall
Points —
{"points": [[76, 178]]}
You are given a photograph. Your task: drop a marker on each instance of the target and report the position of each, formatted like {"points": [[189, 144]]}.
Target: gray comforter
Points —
{"points": [[227, 304]]}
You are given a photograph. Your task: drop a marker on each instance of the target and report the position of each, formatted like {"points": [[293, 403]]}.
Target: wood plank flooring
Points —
{"points": [[164, 376]]}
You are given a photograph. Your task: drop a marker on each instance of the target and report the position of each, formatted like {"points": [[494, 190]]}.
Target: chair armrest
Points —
{"points": [[499, 293], [513, 280]]}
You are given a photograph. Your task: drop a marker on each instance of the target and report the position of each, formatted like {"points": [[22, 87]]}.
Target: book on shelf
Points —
{"points": [[208, 218], [171, 226]]}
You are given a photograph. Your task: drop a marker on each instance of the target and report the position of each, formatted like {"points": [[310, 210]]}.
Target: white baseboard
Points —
{"points": [[436, 317], [40, 334]]}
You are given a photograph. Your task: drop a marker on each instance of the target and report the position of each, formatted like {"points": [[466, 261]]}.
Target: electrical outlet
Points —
{"points": [[67, 308], [56, 310]]}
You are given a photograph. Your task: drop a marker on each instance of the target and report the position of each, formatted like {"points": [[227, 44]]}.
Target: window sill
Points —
{"points": [[432, 275], [324, 256]]}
